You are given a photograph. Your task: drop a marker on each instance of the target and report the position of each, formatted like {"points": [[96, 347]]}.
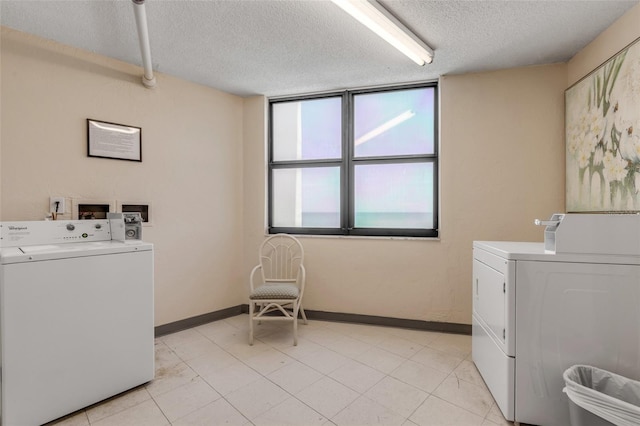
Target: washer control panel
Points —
{"points": [[27, 233]]}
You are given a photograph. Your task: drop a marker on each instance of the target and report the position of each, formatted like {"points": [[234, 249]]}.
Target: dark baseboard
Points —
{"points": [[444, 327], [180, 325]]}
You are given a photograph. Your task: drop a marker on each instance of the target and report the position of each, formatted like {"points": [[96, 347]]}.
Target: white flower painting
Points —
{"points": [[603, 137]]}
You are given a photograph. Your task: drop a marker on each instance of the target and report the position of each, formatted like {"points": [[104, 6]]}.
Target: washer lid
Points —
{"points": [[511, 250], [70, 250]]}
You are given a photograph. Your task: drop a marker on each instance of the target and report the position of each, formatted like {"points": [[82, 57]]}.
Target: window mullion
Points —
{"points": [[305, 163], [347, 173], [395, 160]]}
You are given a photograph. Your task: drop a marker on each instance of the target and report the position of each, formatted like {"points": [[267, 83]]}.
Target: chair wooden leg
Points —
{"points": [[251, 309], [304, 316], [259, 306], [296, 306]]}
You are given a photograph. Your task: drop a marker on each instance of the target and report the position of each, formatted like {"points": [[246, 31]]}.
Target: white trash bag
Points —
{"points": [[610, 396]]}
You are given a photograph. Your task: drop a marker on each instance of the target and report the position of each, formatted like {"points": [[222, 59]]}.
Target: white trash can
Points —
{"points": [[601, 398]]}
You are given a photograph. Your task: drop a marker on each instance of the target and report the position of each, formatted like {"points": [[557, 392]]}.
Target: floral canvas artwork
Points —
{"points": [[603, 137]]}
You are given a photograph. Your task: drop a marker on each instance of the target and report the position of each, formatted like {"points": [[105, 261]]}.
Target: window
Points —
{"points": [[360, 162]]}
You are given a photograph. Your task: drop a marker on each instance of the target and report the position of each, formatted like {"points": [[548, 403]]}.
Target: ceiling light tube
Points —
{"points": [[375, 17]]}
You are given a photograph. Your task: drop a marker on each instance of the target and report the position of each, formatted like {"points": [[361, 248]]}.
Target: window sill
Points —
{"points": [[360, 237]]}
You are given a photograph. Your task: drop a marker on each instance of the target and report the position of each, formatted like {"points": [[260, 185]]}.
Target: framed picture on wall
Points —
{"points": [[603, 137], [111, 140]]}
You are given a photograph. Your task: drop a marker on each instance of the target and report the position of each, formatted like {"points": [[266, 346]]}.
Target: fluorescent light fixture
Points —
{"points": [[375, 17], [385, 126]]}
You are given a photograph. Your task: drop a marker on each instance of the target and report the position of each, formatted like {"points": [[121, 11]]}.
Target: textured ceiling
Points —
{"points": [[274, 48]]}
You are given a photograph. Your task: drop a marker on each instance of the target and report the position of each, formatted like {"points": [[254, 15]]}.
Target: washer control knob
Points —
{"points": [[98, 226], [70, 227]]}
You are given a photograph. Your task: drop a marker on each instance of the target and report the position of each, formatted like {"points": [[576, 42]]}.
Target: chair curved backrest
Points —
{"points": [[281, 256]]}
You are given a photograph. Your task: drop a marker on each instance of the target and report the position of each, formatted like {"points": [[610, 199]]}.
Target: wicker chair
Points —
{"points": [[277, 283]]}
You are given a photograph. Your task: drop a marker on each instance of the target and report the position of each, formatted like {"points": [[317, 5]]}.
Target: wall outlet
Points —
{"points": [[57, 202]]}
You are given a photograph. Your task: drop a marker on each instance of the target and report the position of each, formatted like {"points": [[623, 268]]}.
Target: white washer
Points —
{"points": [[536, 313], [76, 317]]}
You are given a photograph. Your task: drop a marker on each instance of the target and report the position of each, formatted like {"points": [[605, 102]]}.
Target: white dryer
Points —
{"points": [[76, 317], [537, 312]]}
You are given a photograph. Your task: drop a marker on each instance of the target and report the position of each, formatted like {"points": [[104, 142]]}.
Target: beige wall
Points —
{"points": [[624, 31], [502, 165], [191, 170], [254, 178]]}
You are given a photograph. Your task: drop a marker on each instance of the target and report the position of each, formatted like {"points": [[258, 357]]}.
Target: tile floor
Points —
{"points": [[339, 374]]}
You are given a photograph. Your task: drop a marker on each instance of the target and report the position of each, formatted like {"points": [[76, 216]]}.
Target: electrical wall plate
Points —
{"points": [[61, 205]]}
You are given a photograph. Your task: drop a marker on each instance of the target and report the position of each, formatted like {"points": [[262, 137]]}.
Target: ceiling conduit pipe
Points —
{"points": [[148, 79]]}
